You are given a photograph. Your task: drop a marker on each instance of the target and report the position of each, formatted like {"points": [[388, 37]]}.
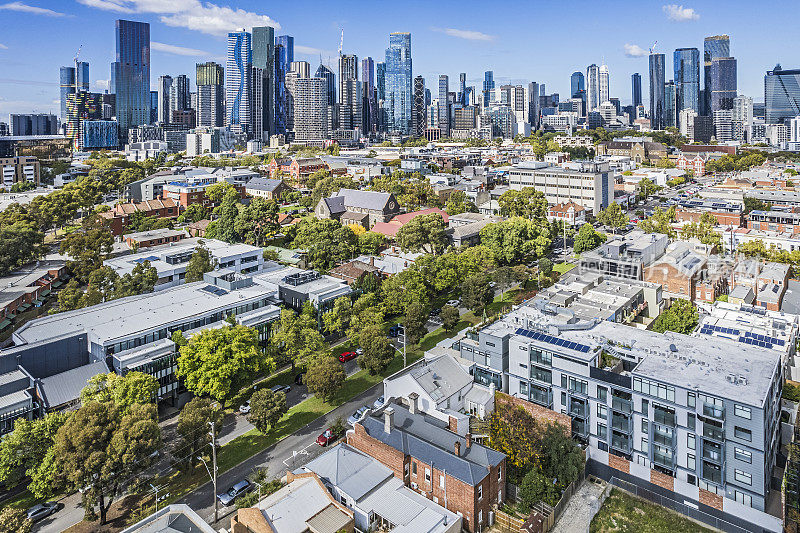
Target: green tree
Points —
{"points": [[194, 213], [217, 192], [297, 339], [613, 217], [681, 317], [458, 203], [560, 457], [526, 203], [99, 450], [228, 213], [21, 243], [219, 362], [450, 317], [703, 230], [326, 242], [504, 277], [13, 520], [476, 293], [660, 222], [257, 222], [134, 388], [378, 351], [325, 376], [69, 298], [414, 323], [142, 279], [88, 247], [22, 450], [371, 243], [327, 185], [647, 188], [587, 239], [200, 263], [425, 233], [535, 488], [338, 318], [516, 240], [545, 266], [193, 429], [366, 312], [266, 409]]}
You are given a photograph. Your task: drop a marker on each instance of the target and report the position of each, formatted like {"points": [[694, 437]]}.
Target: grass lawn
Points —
{"points": [[563, 268], [624, 513]]}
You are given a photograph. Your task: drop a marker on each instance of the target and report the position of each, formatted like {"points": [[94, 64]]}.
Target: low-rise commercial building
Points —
{"points": [[587, 184], [18, 170], [121, 215], [626, 256], [154, 237], [781, 221]]}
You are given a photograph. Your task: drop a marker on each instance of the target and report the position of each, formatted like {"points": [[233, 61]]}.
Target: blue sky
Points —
{"points": [[520, 40]]}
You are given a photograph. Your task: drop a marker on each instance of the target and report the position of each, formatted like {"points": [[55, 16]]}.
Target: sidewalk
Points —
{"points": [[581, 508]]}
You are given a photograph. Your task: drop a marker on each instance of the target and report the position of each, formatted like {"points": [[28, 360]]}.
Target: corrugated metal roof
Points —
{"points": [[66, 387]]}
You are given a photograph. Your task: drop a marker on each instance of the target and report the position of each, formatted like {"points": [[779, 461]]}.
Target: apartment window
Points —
{"points": [[564, 398], [602, 430], [499, 474], [523, 389], [691, 399], [441, 481], [744, 499], [645, 425], [743, 455], [480, 515], [645, 445], [690, 441], [691, 462], [645, 405], [480, 492], [405, 470], [743, 477], [563, 381], [428, 475], [602, 394], [690, 418], [414, 469], [741, 433], [490, 344], [602, 411], [741, 411]]}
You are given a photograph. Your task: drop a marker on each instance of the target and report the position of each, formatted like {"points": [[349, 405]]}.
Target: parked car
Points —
{"points": [[436, 312], [346, 356], [227, 498], [357, 416], [326, 437], [245, 407], [395, 330], [379, 402], [359, 351], [281, 388], [454, 303], [42, 510]]}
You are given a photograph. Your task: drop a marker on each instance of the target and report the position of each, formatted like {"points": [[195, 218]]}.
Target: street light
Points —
{"points": [[156, 489]]}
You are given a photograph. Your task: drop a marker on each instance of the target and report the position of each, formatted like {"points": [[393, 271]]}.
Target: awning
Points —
{"points": [[4, 324], [44, 293], [23, 307], [56, 284]]}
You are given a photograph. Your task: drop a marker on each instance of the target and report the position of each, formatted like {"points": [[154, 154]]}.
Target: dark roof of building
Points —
{"points": [[335, 204], [418, 436], [372, 200], [66, 387], [263, 184], [354, 269]]}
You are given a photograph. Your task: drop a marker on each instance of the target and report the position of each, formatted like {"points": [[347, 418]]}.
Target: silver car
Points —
{"points": [[357, 416], [42, 510], [227, 498]]}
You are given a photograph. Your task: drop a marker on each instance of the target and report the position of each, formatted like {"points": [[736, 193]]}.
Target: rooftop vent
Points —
{"points": [[673, 348]]}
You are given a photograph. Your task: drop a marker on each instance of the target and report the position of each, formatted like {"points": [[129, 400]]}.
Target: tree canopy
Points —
{"points": [[681, 316], [424, 233]]}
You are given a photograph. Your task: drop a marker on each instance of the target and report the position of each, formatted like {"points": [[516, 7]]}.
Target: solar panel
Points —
{"points": [[543, 337]]}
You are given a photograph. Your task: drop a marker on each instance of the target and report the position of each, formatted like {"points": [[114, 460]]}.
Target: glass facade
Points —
{"points": [[330, 82], [263, 39], [657, 79], [670, 115], [444, 113], [99, 134], [130, 74], [781, 94], [488, 87], [237, 84], [576, 84], [687, 78], [723, 83], [67, 87], [636, 89], [398, 97], [713, 47]]}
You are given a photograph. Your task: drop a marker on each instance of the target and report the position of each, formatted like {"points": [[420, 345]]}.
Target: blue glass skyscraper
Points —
{"points": [[488, 87], [781, 94], [66, 87], [687, 79], [576, 84], [130, 75], [713, 47], [636, 89], [237, 80], [330, 82], [380, 80], [287, 41], [399, 98], [723, 83], [284, 55], [657, 79]]}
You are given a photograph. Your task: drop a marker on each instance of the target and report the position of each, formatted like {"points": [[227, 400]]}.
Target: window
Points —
{"points": [[645, 406], [428, 475], [691, 399], [441, 481], [744, 499], [691, 462], [602, 430], [405, 470], [645, 445], [659, 390], [564, 398], [523, 388], [499, 474], [414, 469], [480, 492], [563, 381], [645, 425], [480, 516], [741, 411], [741, 433], [690, 441], [602, 394], [743, 477], [691, 480], [602, 411], [690, 418], [541, 374], [742, 455]]}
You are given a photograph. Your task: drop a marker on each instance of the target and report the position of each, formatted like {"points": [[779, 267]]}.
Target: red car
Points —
{"points": [[326, 437], [346, 356]]}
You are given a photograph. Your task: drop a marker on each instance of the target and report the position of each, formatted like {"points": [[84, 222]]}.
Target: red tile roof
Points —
{"points": [[408, 217]]}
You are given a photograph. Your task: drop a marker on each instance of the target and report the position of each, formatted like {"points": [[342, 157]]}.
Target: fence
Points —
{"points": [[679, 507], [550, 514]]}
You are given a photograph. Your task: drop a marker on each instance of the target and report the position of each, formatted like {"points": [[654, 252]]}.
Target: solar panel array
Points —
{"points": [[150, 258], [543, 337], [710, 329], [754, 339], [216, 291]]}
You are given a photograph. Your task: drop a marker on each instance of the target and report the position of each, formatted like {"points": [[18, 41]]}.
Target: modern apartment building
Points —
{"points": [[130, 75], [693, 419], [18, 170], [782, 221], [625, 256], [588, 184]]}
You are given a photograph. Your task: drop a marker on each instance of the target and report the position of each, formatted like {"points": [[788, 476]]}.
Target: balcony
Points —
{"points": [[663, 417], [621, 443], [541, 397], [666, 460], [580, 428], [621, 423], [713, 411], [578, 409], [713, 452], [621, 405], [712, 473], [713, 432], [665, 438]]}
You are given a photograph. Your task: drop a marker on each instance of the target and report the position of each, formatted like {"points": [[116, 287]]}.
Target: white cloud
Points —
{"points": [[25, 8], [177, 50], [204, 17], [3, 47], [469, 35], [101, 84], [678, 13], [634, 50]]}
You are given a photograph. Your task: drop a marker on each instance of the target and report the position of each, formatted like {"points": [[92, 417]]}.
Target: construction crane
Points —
{"points": [[341, 43], [653, 48], [77, 55]]}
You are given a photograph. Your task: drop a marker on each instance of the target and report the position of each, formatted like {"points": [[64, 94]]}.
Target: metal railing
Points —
{"points": [[621, 405]]}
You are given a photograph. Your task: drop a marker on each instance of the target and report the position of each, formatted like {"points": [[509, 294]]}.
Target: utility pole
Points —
{"points": [[214, 466], [403, 334], [156, 489]]}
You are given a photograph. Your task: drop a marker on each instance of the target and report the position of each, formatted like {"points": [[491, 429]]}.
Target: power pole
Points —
{"points": [[214, 466], [403, 329]]}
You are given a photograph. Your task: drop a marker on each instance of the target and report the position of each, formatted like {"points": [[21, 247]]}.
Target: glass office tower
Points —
{"points": [[670, 115], [263, 40], [723, 83], [287, 41], [636, 90], [781, 95], [330, 82], [713, 47], [576, 85], [687, 78], [657, 78], [488, 87], [237, 81], [130, 75], [399, 98], [66, 87]]}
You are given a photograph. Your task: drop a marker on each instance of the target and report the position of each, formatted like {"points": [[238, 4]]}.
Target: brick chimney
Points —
{"points": [[388, 419], [413, 398], [372, 261], [469, 440], [458, 448]]}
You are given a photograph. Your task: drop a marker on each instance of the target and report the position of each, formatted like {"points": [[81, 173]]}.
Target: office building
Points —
{"points": [[71, 80], [444, 107], [687, 78], [532, 97], [657, 79], [588, 184], [164, 90], [237, 81], [210, 95], [130, 75], [462, 89], [723, 125], [723, 84], [282, 64], [398, 97], [330, 82], [153, 107], [263, 57], [714, 47], [418, 109], [179, 94], [670, 101], [636, 90], [781, 94], [742, 117], [370, 104], [576, 84], [34, 124], [603, 85], [592, 88], [98, 135], [350, 94], [488, 87]]}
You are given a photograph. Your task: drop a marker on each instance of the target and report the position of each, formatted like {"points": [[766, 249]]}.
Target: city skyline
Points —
{"points": [[179, 41]]}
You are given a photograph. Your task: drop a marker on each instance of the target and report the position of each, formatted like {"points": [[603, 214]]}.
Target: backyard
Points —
{"points": [[624, 513]]}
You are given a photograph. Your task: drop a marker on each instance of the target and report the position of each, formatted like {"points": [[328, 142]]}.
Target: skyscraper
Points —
{"points": [[210, 94], [418, 109], [533, 104], [781, 95], [670, 100], [713, 47], [636, 89], [287, 41], [399, 98], [444, 113], [66, 87], [592, 87], [603, 84], [179, 94], [350, 94], [164, 90], [130, 75], [263, 43], [657, 79], [488, 87], [576, 85], [237, 81], [723, 83], [687, 78], [330, 82], [462, 88], [370, 111], [153, 107]]}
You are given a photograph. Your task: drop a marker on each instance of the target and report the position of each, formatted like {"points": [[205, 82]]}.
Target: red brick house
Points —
{"points": [[298, 169], [723, 218], [453, 471], [120, 216]]}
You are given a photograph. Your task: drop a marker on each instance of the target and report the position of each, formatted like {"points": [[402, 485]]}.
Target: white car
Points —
{"points": [[379, 402], [454, 303], [357, 416], [245, 407]]}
